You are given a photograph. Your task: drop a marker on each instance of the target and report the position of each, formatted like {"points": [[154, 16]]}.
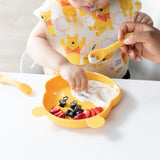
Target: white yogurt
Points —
{"points": [[98, 93], [92, 59]]}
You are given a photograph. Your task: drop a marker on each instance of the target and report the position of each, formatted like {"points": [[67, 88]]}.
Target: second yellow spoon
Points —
{"points": [[99, 54], [21, 86]]}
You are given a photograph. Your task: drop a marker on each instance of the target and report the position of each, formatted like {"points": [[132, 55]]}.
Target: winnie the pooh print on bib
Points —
{"points": [[75, 33]]}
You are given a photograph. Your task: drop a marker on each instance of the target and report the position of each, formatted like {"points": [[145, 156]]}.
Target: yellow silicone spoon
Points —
{"points": [[21, 86], [99, 54]]}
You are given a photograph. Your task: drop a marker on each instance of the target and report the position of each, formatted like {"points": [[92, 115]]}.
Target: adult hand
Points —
{"points": [[144, 41], [75, 76]]}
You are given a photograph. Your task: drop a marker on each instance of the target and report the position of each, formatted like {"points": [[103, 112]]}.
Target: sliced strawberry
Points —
{"points": [[96, 110], [87, 113], [54, 110], [93, 113], [100, 109], [79, 116], [58, 113], [61, 115]]}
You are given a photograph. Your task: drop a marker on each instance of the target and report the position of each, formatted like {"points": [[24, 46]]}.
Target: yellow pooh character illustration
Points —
{"points": [[108, 56], [46, 16], [138, 5], [68, 10], [102, 20], [85, 59], [126, 5], [82, 13], [73, 48]]}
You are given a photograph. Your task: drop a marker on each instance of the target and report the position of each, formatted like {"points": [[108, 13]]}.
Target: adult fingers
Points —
{"points": [[132, 27], [137, 37], [134, 17], [134, 54]]}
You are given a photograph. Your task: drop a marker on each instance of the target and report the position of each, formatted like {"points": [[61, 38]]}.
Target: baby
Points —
{"points": [[69, 30]]}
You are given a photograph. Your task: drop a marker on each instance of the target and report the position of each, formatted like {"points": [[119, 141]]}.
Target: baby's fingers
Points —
{"points": [[78, 84], [72, 84], [84, 83]]}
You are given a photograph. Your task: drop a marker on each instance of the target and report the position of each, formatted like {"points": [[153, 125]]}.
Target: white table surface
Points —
{"points": [[131, 131]]}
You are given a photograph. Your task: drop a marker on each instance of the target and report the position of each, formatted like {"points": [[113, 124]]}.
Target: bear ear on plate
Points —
{"points": [[39, 112]]}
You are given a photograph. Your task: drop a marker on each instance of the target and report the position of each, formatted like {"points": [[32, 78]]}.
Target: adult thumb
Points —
{"points": [[136, 37]]}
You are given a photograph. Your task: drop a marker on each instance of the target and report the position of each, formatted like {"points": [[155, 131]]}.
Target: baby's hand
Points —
{"points": [[140, 17], [75, 76]]}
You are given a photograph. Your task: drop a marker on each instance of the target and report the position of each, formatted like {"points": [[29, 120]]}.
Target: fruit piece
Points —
{"points": [[96, 110], [73, 106], [87, 113], [56, 114], [67, 112], [79, 111], [93, 113], [72, 114], [73, 103], [54, 110], [65, 98], [77, 107], [79, 116], [100, 109], [62, 103], [61, 115]]}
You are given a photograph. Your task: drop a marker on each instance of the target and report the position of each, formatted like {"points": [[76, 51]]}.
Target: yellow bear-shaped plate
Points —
{"points": [[57, 87]]}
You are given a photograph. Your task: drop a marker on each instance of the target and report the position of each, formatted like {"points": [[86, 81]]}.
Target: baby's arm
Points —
{"points": [[140, 17], [42, 52]]}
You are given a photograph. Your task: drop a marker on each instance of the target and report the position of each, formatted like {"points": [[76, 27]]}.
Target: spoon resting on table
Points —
{"points": [[21, 86]]}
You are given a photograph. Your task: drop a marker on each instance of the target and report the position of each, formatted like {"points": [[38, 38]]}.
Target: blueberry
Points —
{"points": [[72, 106], [61, 105], [72, 114], [73, 103], [77, 107], [79, 111], [67, 112], [62, 101], [65, 98]]}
